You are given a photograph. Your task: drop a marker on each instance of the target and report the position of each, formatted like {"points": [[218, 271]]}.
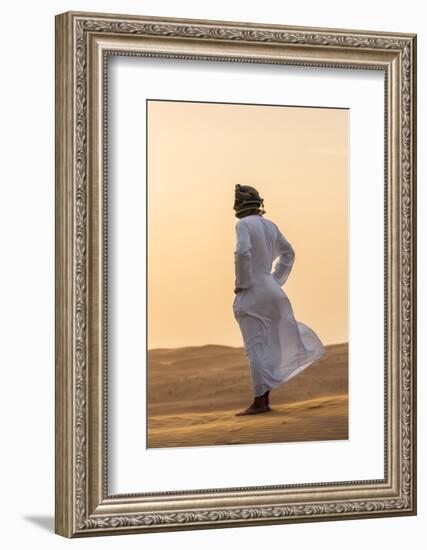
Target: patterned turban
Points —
{"points": [[247, 198]]}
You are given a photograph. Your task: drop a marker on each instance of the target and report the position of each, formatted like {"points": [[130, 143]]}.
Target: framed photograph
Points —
{"points": [[235, 274]]}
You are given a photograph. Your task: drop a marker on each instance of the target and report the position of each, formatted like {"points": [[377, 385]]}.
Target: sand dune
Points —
{"points": [[194, 393]]}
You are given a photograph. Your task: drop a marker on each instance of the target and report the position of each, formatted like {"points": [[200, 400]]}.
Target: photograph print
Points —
{"points": [[247, 273]]}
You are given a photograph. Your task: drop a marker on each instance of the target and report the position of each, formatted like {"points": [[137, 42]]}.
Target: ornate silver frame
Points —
{"points": [[83, 42]]}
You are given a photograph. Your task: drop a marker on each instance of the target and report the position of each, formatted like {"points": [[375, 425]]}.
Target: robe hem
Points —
{"points": [[268, 387]]}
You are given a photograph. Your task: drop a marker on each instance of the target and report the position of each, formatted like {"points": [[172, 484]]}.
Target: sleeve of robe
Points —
{"points": [[286, 259], [242, 257]]}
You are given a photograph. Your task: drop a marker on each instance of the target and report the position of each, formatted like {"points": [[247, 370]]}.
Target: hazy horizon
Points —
{"points": [[227, 346]]}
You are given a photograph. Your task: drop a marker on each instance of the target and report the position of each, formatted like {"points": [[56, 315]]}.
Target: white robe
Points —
{"points": [[277, 345]]}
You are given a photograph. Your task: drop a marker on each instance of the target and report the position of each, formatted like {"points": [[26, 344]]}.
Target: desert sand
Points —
{"points": [[194, 393]]}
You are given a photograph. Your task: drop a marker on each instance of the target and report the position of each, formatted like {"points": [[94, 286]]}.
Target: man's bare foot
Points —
{"points": [[258, 406], [267, 399]]}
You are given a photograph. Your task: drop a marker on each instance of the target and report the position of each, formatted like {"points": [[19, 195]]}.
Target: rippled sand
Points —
{"points": [[194, 393]]}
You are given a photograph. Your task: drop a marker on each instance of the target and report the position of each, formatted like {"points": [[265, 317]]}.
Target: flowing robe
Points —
{"points": [[277, 345]]}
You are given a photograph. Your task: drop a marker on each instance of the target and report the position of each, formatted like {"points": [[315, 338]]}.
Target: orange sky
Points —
{"points": [[297, 158]]}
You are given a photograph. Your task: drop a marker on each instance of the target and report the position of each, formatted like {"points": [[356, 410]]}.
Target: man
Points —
{"points": [[277, 346]]}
